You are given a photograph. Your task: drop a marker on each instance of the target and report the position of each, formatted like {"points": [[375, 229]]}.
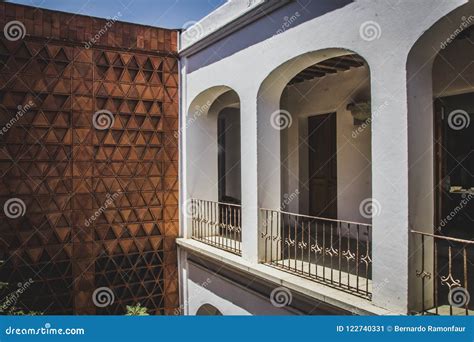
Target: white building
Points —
{"points": [[327, 158]]}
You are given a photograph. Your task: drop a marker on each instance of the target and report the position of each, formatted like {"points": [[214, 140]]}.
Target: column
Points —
{"points": [[390, 185]]}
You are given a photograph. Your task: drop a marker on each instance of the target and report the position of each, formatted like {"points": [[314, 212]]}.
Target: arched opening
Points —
{"points": [[453, 90], [228, 133], [208, 310], [315, 142], [213, 180], [441, 176]]}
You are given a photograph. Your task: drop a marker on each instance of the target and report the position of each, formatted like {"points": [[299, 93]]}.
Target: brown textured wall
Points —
{"points": [[65, 170]]}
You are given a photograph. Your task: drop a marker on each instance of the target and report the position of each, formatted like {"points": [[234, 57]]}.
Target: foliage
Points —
{"points": [[137, 310]]}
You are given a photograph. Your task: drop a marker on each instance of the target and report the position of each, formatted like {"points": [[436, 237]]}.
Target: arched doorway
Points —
{"points": [[441, 177], [453, 90], [316, 110], [213, 168]]}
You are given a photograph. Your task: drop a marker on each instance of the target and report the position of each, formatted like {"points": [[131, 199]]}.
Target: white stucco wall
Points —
{"points": [[229, 11], [205, 287], [394, 145]]}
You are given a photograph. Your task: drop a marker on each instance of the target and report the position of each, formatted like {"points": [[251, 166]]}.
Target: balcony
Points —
{"points": [[217, 224], [336, 253], [332, 252], [444, 266]]}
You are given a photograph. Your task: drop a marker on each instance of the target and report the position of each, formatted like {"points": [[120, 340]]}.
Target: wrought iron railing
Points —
{"points": [[337, 253], [217, 224], [443, 266]]}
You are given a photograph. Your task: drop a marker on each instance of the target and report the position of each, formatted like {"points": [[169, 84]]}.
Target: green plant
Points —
{"points": [[137, 310]]}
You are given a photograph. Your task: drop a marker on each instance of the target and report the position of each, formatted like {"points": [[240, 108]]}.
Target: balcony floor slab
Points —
{"points": [[331, 276], [310, 288], [218, 240]]}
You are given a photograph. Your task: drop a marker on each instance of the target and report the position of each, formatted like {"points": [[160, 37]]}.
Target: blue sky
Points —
{"points": [[161, 13]]}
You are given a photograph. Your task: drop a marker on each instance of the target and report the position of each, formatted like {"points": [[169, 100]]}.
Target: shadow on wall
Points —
{"points": [[279, 21]]}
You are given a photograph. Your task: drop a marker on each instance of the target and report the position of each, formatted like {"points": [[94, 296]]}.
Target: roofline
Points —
{"points": [[90, 16], [227, 25]]}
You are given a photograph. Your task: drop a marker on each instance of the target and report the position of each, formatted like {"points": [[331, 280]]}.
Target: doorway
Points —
{"points": [[322, 146], [454, 199], [454, 165], [229, 172]]}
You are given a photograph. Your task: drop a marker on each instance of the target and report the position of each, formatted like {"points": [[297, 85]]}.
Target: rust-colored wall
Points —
{"points": [[65, 170]]}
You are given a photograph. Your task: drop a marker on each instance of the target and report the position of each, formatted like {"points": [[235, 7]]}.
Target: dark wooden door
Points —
{"points": [[221, 157], [454, 182], [322, 165], [454, 164]]}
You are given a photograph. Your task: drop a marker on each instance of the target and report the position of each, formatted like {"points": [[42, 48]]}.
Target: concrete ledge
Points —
{"points": [[217, 19], [325, 294]]}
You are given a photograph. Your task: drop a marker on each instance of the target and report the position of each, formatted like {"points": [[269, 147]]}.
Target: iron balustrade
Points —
{"points": [[443, 266], [334, 252], [217, 224]]}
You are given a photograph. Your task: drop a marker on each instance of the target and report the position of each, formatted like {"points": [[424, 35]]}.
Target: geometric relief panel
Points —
{"points": [[100, 205]]}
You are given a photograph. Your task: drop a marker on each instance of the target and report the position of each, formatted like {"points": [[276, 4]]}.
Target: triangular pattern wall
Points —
{"points": [[65, 170]]}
